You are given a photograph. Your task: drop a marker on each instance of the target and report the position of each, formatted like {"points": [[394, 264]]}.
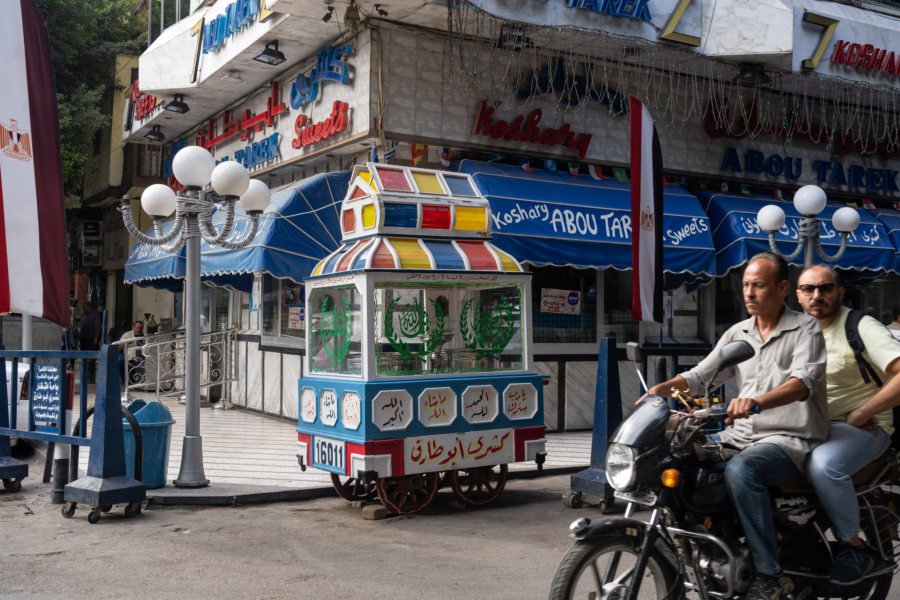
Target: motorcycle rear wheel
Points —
{"points": [[583, 571]]}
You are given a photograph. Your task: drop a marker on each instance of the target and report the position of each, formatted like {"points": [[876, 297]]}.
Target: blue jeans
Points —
{"points": [[748, 477], [831, 465]]}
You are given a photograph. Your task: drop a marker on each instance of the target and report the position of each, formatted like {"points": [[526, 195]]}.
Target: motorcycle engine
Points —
{"points": [[718, 570]]}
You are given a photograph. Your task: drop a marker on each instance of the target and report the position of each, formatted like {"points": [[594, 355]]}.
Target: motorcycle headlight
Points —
{"points": [[620, 471]]}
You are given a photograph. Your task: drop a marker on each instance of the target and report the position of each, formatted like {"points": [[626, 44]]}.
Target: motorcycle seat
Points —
{"points": [[864, 475]]}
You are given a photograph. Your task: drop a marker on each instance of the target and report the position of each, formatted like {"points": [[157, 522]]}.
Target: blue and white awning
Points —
{"points": [[552, 218], [151, 266], [737, 236], [891, 221]]}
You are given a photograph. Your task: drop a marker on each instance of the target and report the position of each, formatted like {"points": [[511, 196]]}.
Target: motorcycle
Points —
{"points": [[692, 544]]}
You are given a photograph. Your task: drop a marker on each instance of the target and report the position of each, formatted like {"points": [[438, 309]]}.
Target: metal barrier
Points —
{"points": [[106, 482], [157, 362]]}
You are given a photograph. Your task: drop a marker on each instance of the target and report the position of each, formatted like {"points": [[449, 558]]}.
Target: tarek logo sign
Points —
{"points": [[15, 142]]}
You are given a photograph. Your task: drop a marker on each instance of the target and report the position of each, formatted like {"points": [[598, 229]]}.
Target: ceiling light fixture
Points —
{"points": [[177, 105], [329, 14], [271, 55], [752, 76], [155, 134], [381, 12]]}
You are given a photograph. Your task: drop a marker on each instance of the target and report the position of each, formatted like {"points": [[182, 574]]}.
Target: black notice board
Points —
{"points": [[46, 386]]}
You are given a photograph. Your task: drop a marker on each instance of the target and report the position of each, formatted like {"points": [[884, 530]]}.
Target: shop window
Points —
{"points": [[335, 336], [283, 311], [617, 298], [564, 305], [214, 305], [461, 328]]}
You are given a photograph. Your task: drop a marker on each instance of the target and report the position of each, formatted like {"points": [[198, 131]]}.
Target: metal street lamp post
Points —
{"points": [[195, 168], [809, 202]]}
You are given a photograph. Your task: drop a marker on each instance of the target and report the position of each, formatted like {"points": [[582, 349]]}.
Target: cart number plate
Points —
{"points": [[330, 454]]}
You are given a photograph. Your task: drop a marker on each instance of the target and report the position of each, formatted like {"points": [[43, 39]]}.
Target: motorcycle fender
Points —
{"points": [[617, 526]]}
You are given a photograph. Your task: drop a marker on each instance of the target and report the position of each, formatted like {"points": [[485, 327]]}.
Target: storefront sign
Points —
{"points": [[865, 56], [527, 129], [566, 302], [309, 133], [237, 15], [330, 66], [259, 152], [720, 124], [246, 125], [572, 87], [628, 9], [144, 104], [829, 172]]}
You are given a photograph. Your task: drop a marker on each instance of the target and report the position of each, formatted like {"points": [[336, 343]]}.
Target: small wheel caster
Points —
{"points": [[606, 505], [68, 510], [573, 500], [94, 515], [12, 485], [133, 509]]}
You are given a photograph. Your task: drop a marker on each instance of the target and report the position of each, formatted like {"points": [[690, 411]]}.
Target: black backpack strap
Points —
{"points": [[851, 328]]}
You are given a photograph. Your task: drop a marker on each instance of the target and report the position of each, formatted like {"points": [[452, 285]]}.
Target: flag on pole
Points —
{"points": [[550, 164], [596, 172], [34, 278], [445, 158], [646, 216], [573, 169], [868, 204], [778, 195], [526, 166], [373, 156], [417, 151], [390, 147]]}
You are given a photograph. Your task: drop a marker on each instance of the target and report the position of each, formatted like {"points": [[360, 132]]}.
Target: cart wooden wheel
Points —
{"points": [[408, 494], [351, 488], [478, 486]]}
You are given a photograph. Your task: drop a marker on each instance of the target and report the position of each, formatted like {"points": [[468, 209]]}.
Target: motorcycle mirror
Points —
{"points": [[734, 353]]}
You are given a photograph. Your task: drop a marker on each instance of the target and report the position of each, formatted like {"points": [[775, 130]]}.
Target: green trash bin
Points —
{"points": [[155, 422]]}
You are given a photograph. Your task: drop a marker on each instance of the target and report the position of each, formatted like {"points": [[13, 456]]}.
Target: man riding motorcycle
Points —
{"points": [[786, 380], [860, 413]]}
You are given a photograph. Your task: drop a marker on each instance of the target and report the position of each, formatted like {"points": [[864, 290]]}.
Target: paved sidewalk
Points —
{"points": [[251, 457]]}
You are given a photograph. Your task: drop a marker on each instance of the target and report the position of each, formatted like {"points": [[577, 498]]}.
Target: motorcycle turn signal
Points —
{"points": [[670, 478]]}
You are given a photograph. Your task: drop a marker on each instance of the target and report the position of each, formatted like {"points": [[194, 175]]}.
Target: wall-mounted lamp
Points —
{"points": [[752, 76], [178, 105], [514, 38], [233, 75], [329, 14], [155, 134], [381, 12], [271, 55], [351, 17]]}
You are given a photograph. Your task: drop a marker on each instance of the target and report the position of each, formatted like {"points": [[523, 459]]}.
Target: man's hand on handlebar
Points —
{"points": [[741, 408]]}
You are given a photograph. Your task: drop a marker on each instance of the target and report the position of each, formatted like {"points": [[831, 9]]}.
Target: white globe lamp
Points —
{"points": [[256, 198], [158, 201], [230, 178], [809, 200], [845, 219], [770, 217], [193, 166]]}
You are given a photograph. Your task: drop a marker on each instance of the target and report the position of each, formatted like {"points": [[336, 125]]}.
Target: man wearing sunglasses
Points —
{"points": [[861, 413]]}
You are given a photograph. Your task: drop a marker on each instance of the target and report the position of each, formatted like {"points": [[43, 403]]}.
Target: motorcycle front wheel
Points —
{"points": [[602, 569]]}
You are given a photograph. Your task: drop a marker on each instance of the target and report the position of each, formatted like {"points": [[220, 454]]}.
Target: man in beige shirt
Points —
{"points": [[786, 379], [860, 411]]}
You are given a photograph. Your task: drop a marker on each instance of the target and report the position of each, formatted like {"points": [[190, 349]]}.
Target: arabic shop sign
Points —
{"points": [[144, 104], [628, 9], [237, 15], [866, 56], [527, 129], [309, 133], [573, 87], [826, 172], [330, 66], [247, 125]]}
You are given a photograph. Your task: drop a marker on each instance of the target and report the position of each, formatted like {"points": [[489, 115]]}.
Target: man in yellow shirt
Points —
{"points": [[860, 413]]}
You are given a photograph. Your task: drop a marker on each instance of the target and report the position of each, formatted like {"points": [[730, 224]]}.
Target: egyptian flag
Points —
{"points": [[34, 279], [596, 172], [646, 216]]}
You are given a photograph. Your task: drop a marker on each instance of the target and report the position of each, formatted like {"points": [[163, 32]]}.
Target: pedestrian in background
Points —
{"points": [[89, 336]]}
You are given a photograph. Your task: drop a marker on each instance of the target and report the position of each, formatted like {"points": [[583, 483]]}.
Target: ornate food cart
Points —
{"points": [[419, 368]]}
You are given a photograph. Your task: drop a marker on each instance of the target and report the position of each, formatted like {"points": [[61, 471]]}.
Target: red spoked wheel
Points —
{"points": [[408, 494], [478, 486], [351, 488]]}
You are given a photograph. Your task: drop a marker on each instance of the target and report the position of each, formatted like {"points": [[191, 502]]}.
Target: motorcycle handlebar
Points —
{"points": [[717, 412]]}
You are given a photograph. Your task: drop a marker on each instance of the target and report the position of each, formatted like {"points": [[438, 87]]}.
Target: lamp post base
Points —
{"points": [[191, 473]]}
